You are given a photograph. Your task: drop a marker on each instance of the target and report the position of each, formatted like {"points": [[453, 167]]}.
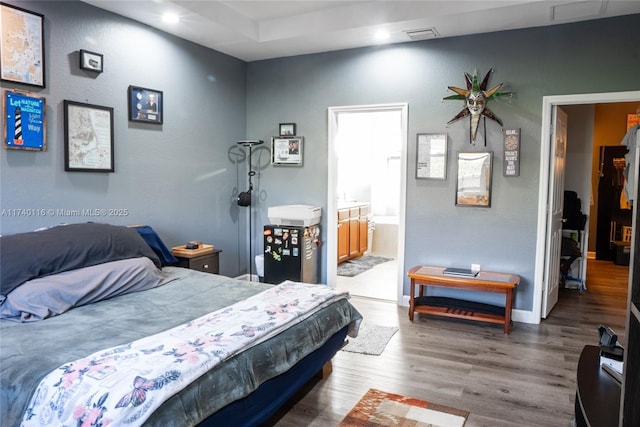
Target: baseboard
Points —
{"points": [[591, 255]]}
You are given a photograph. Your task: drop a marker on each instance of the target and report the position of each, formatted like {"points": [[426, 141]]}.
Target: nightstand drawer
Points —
{"points": [[208, 263]]}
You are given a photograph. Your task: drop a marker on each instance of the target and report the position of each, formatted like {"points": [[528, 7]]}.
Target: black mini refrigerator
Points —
{"points": [[291, 253]]}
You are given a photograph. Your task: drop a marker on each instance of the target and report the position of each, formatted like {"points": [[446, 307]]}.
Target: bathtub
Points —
{"points": [[384, 241]]}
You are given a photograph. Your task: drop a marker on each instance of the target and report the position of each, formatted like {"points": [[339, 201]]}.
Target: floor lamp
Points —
{"points": [[244, 198]]}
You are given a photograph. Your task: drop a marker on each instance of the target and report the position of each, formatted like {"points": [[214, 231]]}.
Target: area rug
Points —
{"points": [[379, 408], [356, 266], [371, 339]]}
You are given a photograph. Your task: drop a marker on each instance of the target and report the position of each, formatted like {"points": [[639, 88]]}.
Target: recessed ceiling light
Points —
{"points": [[382, 35], [170, 18]]}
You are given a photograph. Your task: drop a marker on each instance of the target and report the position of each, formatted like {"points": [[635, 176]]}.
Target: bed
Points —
{"points": [[97, 327]]}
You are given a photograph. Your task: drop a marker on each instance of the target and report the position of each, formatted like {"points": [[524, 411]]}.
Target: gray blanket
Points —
{"points": [[29, 351]]}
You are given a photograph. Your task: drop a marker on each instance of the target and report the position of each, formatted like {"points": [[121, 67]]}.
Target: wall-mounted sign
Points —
{"points": [[511, 152], [24, 124]]}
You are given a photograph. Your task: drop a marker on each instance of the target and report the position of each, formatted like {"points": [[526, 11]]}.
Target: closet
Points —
{"points": [[614, 219]]}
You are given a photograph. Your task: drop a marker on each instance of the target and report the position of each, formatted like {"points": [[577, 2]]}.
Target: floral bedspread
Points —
{"points": [[123, 385]]}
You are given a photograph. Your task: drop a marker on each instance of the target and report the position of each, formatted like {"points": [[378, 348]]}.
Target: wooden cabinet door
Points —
{"points": [[343, 240], [364, 234], [354, 237], [343, 235]]}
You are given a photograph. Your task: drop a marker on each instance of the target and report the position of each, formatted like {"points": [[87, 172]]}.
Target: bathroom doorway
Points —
{"points": [[367, 162]]}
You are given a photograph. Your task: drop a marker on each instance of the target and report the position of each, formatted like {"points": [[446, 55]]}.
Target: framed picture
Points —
{"points": [[22, 46], [473, 185], [91, 61], [287, 129], [145, 105], [88, 138], [431, 158], [286, 151], [511, 164], [24, 124]]}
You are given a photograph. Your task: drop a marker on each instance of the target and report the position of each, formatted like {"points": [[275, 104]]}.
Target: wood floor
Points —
{"points": [[523, 379]]}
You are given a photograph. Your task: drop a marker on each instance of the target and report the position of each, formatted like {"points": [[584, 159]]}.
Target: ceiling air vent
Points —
{"points": [[422, 34]]}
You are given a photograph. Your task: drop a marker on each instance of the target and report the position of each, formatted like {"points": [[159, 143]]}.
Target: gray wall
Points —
{"points": [[182, 177], [177, 177], [596, 56]]}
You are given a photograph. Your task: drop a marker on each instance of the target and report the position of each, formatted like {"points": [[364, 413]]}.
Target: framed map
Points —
{"points": [[88, 137], [21, 46]]}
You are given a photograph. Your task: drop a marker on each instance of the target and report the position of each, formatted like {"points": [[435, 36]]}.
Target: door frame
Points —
{"points": [[546, 145], [332, 182]]}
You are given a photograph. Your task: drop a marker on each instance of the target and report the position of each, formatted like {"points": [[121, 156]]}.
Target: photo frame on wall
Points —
{"points": [[431, 158], [22, 62], [88, 138], [286, 151], [473, 184], [24, 124], [145, 105], [287, 129], [91, 61]]}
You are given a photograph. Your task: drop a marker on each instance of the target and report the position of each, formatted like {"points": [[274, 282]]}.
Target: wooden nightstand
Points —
{"points": [[205, 258]]}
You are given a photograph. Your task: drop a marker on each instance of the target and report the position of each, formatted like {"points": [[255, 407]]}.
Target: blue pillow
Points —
{"points": [[155, 242]]}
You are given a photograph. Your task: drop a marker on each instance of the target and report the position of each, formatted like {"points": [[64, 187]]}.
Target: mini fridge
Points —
{"points": [[291, 253]]}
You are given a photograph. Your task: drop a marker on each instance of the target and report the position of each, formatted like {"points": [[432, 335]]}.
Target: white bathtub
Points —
{"points": [[385, 236]]}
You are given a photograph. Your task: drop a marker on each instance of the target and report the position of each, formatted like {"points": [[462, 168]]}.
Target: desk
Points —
{"points": [[597, 394], [484, 281]]}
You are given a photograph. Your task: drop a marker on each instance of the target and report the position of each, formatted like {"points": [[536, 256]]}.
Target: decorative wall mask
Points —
{"points": [[476, 97]]}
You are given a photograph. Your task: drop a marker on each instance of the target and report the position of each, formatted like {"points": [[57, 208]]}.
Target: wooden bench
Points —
{"points": [[484, 281]]}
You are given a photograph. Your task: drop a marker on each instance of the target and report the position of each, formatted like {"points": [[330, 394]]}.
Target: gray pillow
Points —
{"points": [[55, 294], [26, 256]]}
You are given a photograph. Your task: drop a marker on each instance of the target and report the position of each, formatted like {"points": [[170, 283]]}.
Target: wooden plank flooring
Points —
{"points": [[523, 379]]}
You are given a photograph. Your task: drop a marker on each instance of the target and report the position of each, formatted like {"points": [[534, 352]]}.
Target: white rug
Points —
{"points": [[371, 339]]}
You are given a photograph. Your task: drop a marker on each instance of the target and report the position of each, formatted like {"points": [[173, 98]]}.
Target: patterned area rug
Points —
{"points": [[378, 408], [355, 266], [371, 339]]}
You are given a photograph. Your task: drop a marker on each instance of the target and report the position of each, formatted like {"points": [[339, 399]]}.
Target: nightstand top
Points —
{"points": [[182, 251]]}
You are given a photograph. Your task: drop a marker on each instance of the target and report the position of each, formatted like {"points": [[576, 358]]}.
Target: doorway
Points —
{"points": [[550, 104], [367, 165]]}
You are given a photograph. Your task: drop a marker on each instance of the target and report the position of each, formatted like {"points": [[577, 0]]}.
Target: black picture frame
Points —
{"points": [[32, 74], [88, 138], [287, 129], [91, 61], [473, 183], [145, 105]]}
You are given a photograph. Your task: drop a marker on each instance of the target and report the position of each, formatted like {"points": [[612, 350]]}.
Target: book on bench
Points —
{"points": [[453, 271]]}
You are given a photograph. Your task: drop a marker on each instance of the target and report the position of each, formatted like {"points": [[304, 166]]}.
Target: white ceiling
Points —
{"points": [[261, 29]]}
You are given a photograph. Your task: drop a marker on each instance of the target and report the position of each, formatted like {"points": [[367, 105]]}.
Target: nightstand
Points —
{"points": [[205, 258]]}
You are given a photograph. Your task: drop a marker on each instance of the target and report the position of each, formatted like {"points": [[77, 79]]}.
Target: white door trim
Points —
{"points": [[543, 190], [332, 175]]}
